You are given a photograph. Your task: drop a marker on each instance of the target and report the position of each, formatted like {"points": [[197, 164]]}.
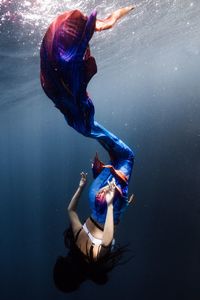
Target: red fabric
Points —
{"points": [[99, 165]]}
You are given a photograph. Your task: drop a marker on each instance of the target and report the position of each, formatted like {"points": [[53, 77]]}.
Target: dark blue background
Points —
{"points": [[147, 92]]}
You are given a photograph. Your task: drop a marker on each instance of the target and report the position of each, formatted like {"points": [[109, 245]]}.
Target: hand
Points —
{"points": [[110, 191], [123, 11], [83, 180]]}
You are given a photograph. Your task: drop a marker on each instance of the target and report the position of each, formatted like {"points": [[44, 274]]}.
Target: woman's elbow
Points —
{"points": [[70, 209]]}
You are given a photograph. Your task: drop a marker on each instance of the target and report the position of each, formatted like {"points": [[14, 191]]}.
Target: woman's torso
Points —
{"points": [[86, 246]]}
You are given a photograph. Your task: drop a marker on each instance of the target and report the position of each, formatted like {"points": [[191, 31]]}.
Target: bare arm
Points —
{"points": [[109, 223], [110, 21], [73, 216], [108, 232]]}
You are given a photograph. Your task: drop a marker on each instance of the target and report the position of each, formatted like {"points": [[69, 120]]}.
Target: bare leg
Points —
{"points": [[110, 21]]}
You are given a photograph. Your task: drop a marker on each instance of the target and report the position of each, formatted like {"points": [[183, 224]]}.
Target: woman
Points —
{"points": [[66, 68]]}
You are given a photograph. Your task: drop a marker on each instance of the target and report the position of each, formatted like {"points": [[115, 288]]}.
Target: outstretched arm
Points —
{"points": [[73, 216], [110, 21]]}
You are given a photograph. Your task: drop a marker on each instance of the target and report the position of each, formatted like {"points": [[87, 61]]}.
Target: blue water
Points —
{"points": [[147, 92]]}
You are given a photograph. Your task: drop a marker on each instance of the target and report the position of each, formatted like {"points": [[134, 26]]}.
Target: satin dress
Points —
{"points": [[66, 69]]}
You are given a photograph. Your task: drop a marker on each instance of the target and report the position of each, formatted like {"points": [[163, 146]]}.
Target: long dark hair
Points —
{"points": [[70, 271]]}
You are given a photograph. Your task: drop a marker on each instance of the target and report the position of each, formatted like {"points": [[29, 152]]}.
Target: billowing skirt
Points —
{"points": [[66, 68]]}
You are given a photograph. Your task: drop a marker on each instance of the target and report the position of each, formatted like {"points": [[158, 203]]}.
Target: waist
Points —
{"points": [[98, 225], [94, 240]]}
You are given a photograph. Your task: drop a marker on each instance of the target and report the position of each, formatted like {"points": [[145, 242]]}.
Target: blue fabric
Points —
{"points": [[121, 158], [66, 68]]}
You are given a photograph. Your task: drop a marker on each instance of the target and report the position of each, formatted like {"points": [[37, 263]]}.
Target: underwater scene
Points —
{"points": [[146, 91]]}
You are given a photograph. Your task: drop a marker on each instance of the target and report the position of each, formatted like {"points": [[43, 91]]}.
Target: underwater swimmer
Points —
{"points": [[66, 69]]}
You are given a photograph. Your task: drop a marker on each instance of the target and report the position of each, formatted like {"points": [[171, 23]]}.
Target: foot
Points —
{"points": [[130, 7]]}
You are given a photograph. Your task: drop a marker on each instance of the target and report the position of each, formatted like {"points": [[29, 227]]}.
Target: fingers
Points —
{"points": [[83, 174], [110, 187], [83, 180], [112, 184]]}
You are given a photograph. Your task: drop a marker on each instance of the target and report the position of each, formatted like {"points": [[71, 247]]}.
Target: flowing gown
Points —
{"points": [[66, 69]]}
